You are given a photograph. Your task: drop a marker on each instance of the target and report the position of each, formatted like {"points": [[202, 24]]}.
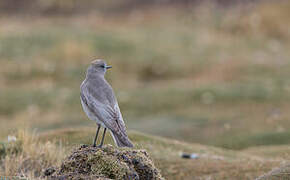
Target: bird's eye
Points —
{"points": [[102, 66]]}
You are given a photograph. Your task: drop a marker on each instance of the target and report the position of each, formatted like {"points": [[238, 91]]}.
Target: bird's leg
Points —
{"points": [[102, 142], [95, 140]]}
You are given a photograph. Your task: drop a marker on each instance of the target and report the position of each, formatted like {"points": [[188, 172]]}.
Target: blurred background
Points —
{"points": [[210, 72]]}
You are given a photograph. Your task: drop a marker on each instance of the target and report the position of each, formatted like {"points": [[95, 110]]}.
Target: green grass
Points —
{"points": [[200, 78], [13, 101], [258, 139]]}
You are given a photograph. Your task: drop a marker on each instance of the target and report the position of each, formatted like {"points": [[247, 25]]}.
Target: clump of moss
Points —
{"points": [[108, 162]]}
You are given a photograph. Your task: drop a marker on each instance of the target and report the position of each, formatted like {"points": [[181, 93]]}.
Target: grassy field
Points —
{"points": [[33, 152], [203, 75]]}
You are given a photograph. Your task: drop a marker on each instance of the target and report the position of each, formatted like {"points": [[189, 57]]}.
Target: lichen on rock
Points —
{"points": [[108, 162]]}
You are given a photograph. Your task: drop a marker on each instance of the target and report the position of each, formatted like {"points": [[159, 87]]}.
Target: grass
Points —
{"points": [[207, 75], [27, 157], [36, 152], [244, 141], [201, 78]]}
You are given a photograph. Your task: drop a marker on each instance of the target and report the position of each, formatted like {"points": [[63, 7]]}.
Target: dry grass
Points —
{"points": [[27, 156], [39, 151]]}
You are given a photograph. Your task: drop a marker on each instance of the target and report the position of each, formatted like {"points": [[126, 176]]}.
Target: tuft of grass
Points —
{"points": [[10, 148], [27, 156]]}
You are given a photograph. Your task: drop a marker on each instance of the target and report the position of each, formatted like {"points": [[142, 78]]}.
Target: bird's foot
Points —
{"points": [[99, 146]]}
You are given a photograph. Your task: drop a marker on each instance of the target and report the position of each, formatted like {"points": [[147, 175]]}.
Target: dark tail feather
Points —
{"points": [[122, 141]]}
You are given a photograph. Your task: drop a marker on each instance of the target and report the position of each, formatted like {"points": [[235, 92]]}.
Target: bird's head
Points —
{"points": [[98, 66]]}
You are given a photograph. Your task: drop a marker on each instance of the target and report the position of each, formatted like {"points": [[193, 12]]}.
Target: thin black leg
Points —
{"points": [[95, 140], [102, 142]]}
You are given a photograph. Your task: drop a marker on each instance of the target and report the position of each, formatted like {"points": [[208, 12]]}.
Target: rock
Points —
{"points": [[108, 162], [281, 173]]}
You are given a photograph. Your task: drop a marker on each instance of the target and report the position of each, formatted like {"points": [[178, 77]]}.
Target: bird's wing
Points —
{"points": [[110, 116]]}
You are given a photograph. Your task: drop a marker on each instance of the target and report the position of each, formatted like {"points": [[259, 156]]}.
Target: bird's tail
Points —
{"points": [[122, 141]]}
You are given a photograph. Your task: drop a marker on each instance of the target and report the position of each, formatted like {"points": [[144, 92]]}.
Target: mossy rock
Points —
{"points": [[105, 163], [282, 173]]}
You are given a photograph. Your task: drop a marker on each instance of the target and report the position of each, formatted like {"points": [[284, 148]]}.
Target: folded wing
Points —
{"points": [[110, 116]]}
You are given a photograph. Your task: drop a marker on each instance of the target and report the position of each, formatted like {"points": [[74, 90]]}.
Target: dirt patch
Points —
{"points": [[108, 162]]}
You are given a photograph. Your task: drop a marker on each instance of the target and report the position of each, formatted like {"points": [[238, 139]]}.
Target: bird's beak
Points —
{"points": [[108, 67]]}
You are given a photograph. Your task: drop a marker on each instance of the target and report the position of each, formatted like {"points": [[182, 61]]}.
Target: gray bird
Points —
{"points": [[100, 104]]}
